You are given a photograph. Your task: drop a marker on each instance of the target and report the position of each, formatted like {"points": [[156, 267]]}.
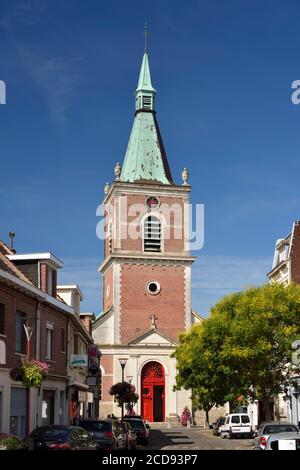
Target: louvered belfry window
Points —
{"points": [[152, 234], [147, 102]]}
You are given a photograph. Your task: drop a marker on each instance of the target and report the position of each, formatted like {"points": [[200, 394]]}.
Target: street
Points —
{"points": [[194, 439]]}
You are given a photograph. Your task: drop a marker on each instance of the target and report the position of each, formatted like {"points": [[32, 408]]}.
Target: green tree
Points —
{"points": [[124, 393], [243, 348]]}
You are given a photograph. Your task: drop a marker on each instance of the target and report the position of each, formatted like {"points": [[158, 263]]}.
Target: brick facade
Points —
{"points": [[138, 305], [295, 254]]}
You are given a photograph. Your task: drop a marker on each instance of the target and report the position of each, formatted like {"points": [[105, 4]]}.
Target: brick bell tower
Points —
{"points": [[147, 265]]}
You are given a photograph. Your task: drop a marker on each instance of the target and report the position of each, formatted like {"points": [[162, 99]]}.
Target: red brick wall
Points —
{"points": [[107, 364], [43, 277], [59, 320], [171, 244], [137, 305], [107, 383], [295, 254], [13, 301]]}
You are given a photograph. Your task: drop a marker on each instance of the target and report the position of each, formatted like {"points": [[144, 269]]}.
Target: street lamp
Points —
{"points": [[122, 361], [296, 393], [28, 331]]}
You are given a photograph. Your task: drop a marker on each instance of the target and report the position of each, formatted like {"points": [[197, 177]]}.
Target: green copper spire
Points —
{"points": [[145, 158]]}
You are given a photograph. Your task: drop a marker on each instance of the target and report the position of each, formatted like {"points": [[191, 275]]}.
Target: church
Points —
{"points": [[146, 270]]}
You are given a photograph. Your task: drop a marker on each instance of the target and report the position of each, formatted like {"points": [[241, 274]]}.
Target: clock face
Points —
{"points": [[152, 202]]}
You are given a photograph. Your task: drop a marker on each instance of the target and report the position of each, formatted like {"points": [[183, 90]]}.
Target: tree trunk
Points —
{"points": [[267, 411], [206, 418]]}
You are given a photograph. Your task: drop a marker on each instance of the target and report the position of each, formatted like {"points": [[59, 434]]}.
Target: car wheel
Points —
{"points": [[223, 435]]}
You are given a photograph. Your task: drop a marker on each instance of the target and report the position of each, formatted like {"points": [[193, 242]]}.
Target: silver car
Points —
{"points": [[284, 441], [269, 428]]}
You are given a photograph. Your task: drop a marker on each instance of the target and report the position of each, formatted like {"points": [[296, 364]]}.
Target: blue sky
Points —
{"points": [[223, 72]]}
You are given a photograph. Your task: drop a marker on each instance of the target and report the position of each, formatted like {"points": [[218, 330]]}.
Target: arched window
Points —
{"points": [[152, 234]]}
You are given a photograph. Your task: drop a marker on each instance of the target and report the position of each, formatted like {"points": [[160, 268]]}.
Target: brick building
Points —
{"points": [[28, 295], [146, 269]]}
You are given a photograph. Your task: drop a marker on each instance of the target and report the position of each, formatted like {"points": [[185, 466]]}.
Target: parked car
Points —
{"points": [[216, 427], [133, 417], [58, 437], [11, 442], [141, 429], [108, 432], [131, 437], [272, 427], [236, 425], [283, 441]]}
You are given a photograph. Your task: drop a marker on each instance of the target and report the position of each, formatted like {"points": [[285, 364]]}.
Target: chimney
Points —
{"points": [[11, 241], [87, 321]]}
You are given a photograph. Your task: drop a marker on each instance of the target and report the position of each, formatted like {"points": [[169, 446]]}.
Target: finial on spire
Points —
{"points": [[146, 34]]}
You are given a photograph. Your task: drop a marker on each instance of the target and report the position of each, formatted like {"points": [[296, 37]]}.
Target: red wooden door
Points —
{"points": [[153, 392]]}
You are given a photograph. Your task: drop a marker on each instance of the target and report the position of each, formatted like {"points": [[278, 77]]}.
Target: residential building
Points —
{"points": [[286, 269], [28, 296]]}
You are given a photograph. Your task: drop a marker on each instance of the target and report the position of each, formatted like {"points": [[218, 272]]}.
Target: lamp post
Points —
{"points": [[122, 361], [28, 331], [296, 393]]}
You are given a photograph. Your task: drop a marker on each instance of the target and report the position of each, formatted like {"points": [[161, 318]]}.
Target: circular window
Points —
{"points": [[153, 288]]}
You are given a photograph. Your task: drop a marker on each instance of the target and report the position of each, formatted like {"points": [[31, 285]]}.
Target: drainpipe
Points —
{"points": [[37, 354], [68, 388]]}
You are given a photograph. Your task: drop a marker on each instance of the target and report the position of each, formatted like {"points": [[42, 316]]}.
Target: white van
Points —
{"points": [[236, 425]]}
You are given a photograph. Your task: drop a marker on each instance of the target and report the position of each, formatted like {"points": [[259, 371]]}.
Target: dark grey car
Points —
{"points": [[108, 433], [217, 425]]}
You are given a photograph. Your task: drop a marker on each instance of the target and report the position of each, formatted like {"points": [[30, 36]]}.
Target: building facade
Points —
{"points": [[146, 270], [286, 269], [29, 296]]}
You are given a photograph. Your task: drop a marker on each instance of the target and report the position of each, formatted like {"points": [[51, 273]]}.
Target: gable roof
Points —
{"points": [[145, 339]]}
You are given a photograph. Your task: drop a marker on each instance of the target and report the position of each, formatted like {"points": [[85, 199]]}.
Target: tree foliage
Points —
{"points": [[124, 393], [243, 348]]}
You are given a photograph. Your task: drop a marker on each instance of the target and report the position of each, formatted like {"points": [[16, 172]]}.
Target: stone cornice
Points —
{"points": [[164, 260], [120, 187]]}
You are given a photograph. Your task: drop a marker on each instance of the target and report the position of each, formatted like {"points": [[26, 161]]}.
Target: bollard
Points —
{"points": [[188, 424], [169, 424]]}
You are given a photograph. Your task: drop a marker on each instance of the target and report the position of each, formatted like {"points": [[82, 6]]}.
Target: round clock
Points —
{"points": [[152, 202]]}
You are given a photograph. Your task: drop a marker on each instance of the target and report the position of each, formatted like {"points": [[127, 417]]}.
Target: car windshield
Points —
{"points": [[276, 428], [137, 424], [100, 426], [50, 432], [245, 419]]}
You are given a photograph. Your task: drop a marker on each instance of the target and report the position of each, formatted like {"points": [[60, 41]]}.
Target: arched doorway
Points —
{"points": [[153, 392]]}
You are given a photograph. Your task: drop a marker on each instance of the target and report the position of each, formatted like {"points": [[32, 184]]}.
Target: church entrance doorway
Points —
{"points": [[153, 392]]}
